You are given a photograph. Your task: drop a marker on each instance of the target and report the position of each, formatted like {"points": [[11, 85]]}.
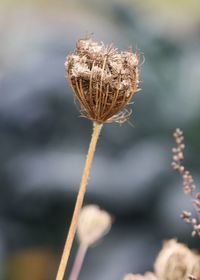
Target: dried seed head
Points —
{"points": [[103, 80], [176, 262], [93, 224], [146, 276]]}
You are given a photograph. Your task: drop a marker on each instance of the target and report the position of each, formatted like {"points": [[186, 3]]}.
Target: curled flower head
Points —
{"points": [[93, 224], [103, 80], [177, 262]]}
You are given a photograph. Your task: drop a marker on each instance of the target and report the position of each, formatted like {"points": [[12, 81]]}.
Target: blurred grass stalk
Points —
{"points": [[82, 250]]}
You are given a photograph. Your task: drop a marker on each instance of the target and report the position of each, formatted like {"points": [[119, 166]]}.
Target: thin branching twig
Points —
{"points": [[189, 187]]}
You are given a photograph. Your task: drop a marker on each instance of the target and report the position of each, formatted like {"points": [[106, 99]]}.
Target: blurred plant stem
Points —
{"points": [[82, 250], [79, 201]]}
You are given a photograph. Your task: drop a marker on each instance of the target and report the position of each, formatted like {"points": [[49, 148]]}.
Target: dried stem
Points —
{"points": [[79, 201], [82, 250]]}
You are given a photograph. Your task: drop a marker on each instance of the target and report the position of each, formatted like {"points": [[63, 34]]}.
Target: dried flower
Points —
{"points": [[189, 186], [103, 80], [93, 224], [146, 276], [177, 262]]}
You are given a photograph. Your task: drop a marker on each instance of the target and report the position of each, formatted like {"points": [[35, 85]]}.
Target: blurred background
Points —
{"points": [[43, 141]]}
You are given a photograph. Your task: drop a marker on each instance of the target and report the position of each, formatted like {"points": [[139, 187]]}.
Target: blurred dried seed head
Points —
{"points": [[146, 276], [177, 262], [93, 224], [103, 80]]}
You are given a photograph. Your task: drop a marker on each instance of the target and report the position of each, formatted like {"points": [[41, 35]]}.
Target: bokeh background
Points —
{"points": [[43, 141]]}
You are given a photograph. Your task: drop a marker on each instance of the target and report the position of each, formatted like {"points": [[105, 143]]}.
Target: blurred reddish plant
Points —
{"points": [[189, 187]]}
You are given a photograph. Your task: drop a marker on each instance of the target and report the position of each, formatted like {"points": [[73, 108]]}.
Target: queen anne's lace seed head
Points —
{"points": [[103, 80]]}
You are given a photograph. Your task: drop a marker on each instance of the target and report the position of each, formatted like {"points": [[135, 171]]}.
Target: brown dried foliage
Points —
{"points": [[103, 80]]}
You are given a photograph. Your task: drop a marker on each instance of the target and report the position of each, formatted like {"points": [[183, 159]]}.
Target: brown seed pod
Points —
{"points": [[103, 80]]}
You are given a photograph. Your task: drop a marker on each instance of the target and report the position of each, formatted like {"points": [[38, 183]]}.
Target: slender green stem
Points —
{"points": [[79, 201]]}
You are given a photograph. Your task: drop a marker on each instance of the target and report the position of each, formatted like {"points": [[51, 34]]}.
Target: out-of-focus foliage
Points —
{"points": [[32, 265]]}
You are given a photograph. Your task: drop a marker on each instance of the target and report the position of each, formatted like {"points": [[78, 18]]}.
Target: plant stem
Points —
{"points": [[79, 201], [78, 262]]}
